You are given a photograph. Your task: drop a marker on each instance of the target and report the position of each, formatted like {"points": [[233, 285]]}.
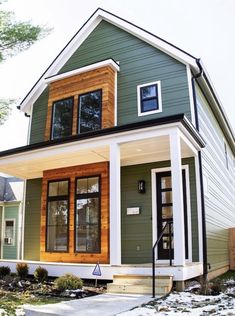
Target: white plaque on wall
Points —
{"points": [[133, 211]]}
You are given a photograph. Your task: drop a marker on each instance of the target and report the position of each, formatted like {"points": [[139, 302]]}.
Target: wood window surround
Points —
{"points": [[75, 86], [89, 195]]}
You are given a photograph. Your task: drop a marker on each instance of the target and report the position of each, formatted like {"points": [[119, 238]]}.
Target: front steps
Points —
{"points": [[140, 284]]}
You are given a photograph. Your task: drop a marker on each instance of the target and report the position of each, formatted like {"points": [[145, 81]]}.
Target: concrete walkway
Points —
{"points": [[104, 304]]}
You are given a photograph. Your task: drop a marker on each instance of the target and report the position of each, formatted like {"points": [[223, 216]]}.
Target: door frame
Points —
{"points": [[154, 210]]}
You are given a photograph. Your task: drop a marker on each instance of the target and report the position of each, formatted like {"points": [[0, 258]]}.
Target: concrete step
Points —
{"points": [[140, 284]]}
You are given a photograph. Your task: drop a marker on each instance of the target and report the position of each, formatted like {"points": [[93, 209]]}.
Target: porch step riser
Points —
{"points": [[145, 282], [137, 289]]}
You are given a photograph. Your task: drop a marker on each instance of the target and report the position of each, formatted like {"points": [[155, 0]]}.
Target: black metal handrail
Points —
{"points": [[169, 223]]}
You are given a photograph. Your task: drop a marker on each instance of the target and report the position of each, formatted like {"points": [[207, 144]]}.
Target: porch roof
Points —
{"points": [[140, 143]]}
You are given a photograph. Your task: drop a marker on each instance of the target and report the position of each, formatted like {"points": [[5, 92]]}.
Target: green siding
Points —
{"points": [[139, 63], [32, 220], [137, 229], [10, 251], [219, 186], [39, 117]]}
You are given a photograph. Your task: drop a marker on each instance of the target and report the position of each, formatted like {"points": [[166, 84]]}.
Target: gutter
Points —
{"points": [[204, 241]]}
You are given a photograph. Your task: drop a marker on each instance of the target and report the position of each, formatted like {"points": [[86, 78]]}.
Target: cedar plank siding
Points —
{"points": [[102, 78], [72, 173], [139, 63], [219, 186]]}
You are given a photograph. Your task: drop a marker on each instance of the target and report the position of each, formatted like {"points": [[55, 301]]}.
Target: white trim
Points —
{"points": [[104, 63], [190, 90], [115, 204], [19, 230], [14, 233], [159, 96], [115, 98], [154, 209], [2, 230], [23, 220], [84, 32], [199, 208]]}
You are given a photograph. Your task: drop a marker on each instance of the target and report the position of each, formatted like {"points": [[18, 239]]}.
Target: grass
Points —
{"points": [[10, 301], [226, 276]]}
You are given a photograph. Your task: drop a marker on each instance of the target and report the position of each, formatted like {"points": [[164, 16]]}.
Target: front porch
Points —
{"points": [[56, 269], [153, 147]]}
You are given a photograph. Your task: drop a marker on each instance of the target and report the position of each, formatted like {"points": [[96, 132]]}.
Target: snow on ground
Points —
{"points": [[185, 303]]}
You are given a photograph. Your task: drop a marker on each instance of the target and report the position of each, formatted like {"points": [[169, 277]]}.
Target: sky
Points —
{"points": [[204, 28]]}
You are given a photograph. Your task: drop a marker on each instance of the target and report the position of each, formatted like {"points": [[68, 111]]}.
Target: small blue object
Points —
{"points": [[97, 270]]}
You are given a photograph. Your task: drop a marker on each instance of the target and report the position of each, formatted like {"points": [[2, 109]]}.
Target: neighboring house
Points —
{"points": [[11, 196], [126, 135]]}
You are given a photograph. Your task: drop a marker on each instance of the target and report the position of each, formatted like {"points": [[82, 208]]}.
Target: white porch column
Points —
{"points": [[115, 205], [177, 199]]}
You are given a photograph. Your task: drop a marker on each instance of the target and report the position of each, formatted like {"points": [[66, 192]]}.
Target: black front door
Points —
{"points": [[165, 214]]}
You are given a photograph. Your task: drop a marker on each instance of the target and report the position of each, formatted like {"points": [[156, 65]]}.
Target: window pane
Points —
{"points": [[148, 92], [81, 186], [58, 188], [166, 182], [167, 212], [93, 185], [62, 118], [167, 197], [9, 232], [88, 185], [87, 225], [89, 112], [149, 105], [57, 225]]}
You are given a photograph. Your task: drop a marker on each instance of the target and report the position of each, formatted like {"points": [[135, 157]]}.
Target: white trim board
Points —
{"points": [[104, 63], [154, 209]]}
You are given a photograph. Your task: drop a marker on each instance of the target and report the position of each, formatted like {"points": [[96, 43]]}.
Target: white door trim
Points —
{"points": [[154, 209]]}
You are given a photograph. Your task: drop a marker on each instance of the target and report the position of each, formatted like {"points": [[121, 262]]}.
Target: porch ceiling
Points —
{"points": [[32, 164]]}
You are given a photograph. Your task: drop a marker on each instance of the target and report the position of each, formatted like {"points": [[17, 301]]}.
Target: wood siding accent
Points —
{"points": [[72, 173], [232, 248], [102, 78], [219, 188]]}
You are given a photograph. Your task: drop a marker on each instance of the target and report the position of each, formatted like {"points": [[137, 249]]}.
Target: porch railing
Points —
{"points": [[168, 224]]}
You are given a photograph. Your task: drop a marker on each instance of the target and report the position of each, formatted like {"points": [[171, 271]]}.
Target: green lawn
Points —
{"points": [[227, 276]]}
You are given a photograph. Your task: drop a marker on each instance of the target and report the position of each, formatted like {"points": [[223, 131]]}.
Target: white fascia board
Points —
{"points": [[104, 63], [102, 141], [84, 32]]}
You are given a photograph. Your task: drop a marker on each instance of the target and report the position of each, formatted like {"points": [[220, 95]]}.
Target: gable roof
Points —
{"points": [[153, 40]]}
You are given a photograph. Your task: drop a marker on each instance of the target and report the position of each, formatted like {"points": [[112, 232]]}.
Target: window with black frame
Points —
{"points": [[89, 111], [149, 98], [87, 218], [62, 118], [57, 216]]}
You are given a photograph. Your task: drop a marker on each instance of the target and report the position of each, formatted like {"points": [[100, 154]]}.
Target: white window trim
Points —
{"points": [[14, 233], [154, 210], [158, 83]]}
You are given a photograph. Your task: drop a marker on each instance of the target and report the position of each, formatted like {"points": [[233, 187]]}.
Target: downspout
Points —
{"points": [[204, 241]]}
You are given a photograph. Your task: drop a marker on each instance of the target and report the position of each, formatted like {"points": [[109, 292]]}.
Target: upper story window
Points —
{"points": [[89, 111], [149, 98], [62, 118]]}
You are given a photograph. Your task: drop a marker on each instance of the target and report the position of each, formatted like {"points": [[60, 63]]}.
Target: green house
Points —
{"points": [[129, 145]]}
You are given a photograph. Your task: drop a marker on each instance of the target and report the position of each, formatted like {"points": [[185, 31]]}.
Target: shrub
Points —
{"points": [[4, 270], [68, 282], [22, 269], [40, 274]]}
